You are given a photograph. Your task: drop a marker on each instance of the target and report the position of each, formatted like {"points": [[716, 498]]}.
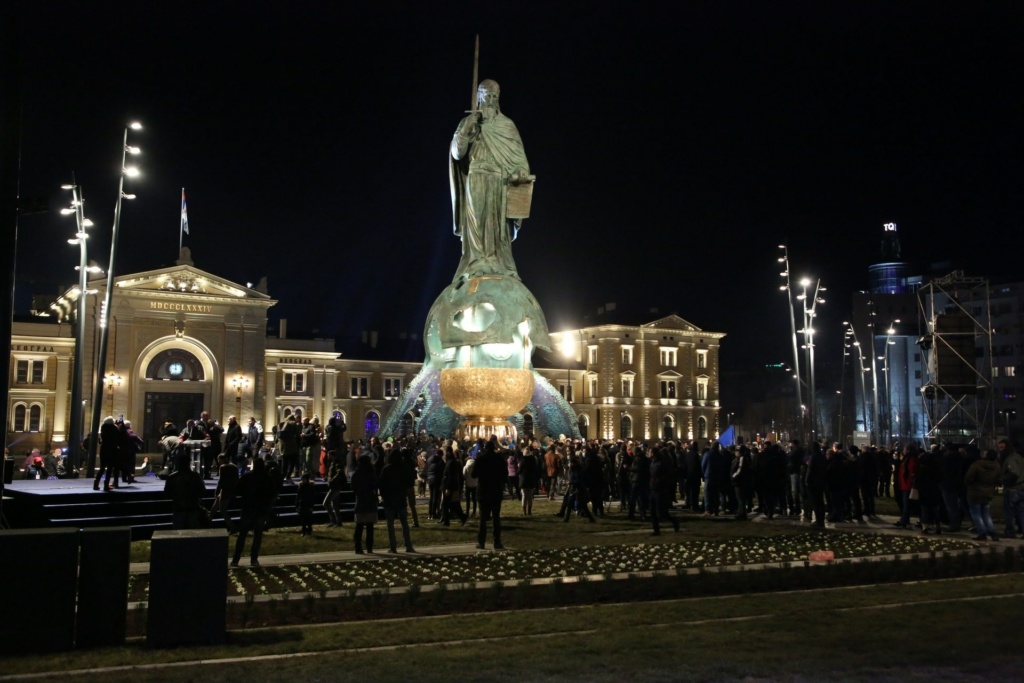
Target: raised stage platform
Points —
{"points": [[42, 503]]}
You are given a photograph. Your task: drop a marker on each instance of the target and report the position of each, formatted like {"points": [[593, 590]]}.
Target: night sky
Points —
{"points": [[676, 144]]}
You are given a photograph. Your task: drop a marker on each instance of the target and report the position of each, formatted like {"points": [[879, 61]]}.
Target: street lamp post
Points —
{"points": [[75, 436], [852, 334], [889, 332], [810, 312], [104, 317], [792, 328]]}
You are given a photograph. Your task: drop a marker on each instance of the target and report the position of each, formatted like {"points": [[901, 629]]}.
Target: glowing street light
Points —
{"points": [[101, 356], [787, 287], [75, 435]]}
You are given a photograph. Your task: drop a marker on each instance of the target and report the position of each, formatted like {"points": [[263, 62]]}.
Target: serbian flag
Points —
{"points": [[184, 214]]}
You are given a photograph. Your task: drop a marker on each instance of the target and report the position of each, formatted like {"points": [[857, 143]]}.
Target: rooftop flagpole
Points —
{"points": [[183, 229]]}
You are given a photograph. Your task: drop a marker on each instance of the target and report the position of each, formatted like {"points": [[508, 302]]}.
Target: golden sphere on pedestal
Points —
{"points": [[486, 392]]}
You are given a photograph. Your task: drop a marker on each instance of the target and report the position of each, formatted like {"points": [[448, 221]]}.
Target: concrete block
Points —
{"points": [[38, 575], [188, 574]]}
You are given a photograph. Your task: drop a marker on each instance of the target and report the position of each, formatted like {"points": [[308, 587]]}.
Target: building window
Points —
{"points": [[1010, 371], [702, 358], [702, 428], [592, 355], [27, 418], [582, 423], [668, 427], [177, 365], [294, 381], [392, 387], [30, 371], [702, 389], [627, 355], [627, 386], [668, 388], [593, 387], [372, 423], [668, 357], [626, 427], [566, 391], [360, 387]]}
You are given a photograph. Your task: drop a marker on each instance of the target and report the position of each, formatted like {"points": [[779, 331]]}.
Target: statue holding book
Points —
{"points": [[491, 187]]}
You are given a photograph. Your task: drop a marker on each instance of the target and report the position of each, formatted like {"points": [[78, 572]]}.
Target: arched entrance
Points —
{"points": [[174, 380]]}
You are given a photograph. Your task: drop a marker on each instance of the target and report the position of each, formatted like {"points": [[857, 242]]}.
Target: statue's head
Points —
{"points": [[487, 95]]}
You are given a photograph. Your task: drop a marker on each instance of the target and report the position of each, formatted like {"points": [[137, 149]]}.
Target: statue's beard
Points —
{"points": [[488, 111]]}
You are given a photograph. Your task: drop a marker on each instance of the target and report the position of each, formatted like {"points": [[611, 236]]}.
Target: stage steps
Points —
{"points": [[145, 511]]}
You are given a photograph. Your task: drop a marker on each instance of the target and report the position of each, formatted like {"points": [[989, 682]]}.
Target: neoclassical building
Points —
{"points": [[650, 381], [183, 340]]}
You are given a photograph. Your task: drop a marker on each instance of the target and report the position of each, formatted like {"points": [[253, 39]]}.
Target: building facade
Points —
{"points": [[183, 341], [651, 381]]}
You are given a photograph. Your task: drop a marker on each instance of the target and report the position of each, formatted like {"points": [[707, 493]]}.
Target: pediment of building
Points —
{"points": [[673, 322], [186, 280]]}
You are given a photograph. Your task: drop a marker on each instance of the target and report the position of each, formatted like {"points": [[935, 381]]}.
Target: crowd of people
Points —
{"points": [[946, 487]]}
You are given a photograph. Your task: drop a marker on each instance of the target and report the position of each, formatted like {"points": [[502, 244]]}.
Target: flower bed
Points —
{"points": [[588, 560]]}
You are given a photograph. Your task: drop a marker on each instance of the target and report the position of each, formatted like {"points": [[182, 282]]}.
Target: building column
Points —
{"points": [[270, 403], [60, 428]]}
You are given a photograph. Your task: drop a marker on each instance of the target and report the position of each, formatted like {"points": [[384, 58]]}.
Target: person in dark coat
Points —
{"points": [[662, 484], [186, 490], [305, 500], [336, 483], [110, 439], [227, 485], [951, 487], [491, 476], [529, 479], [258, 492], [815, 481], [981, 479], [639, 485], [128, 448], [741, 474], [288, 441], [593, 472], [395, 480], [928, 483], [576, 492], [451, 489], [232, 439], [364, 486], [435, 474]]}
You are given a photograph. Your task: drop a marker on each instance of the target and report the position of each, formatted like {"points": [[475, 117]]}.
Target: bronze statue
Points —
{"points": [[488, 169]]}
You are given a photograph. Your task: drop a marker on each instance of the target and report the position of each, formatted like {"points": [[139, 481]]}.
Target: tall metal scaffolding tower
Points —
{"points": [[957, 348]]}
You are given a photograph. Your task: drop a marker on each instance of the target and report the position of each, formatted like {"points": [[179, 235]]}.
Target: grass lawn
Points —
{"points": [[540, 531], [935, 631]]}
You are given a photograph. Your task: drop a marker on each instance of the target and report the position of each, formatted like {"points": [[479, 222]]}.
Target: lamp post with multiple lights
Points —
{"points": [[851, 335], [75, 436], [784, 259], [810, 303], [889, 332], [104, 317]]}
